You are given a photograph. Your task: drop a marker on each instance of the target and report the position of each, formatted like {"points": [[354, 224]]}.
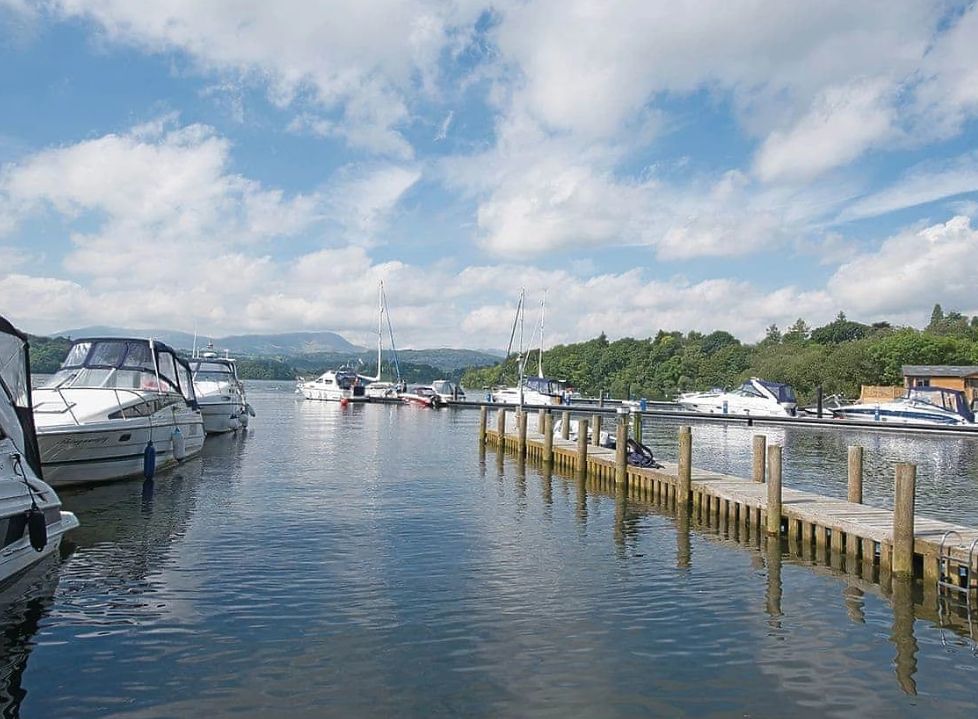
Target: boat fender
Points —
{"points": [[179, 445], [344, 402], [37, 529], [250, 409], [149, 460]]}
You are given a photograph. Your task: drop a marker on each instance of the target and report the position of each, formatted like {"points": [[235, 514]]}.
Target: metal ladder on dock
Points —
{"points": [[963, 578]]}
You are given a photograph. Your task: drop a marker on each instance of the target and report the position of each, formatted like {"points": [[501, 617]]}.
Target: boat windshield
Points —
{"points": [[544, 385], [442, 387], [947, 399], [784, 392], [345, 380], [211, 371], [747, 390], [118, 364]]}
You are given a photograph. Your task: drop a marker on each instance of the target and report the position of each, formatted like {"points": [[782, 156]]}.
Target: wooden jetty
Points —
{"points": [[884, 543]]}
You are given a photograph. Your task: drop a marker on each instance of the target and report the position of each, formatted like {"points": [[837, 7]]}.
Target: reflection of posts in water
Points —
{"points": [[683, 547], [521, 479], [903, 636], [581, 506], [855, 605], [621, 508], [582, 427], [774, 587], [546, 482]]}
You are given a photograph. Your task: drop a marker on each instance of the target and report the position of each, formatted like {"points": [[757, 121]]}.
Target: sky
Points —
{"points": [[243, 166]]}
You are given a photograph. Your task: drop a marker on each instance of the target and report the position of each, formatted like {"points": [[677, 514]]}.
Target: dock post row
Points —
{"points": [[874, 541]]}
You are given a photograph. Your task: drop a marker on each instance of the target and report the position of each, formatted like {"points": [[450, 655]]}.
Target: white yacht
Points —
{"points": [[448, 391], [920, 405], [534, 391], [755, 397], [343, 384], [30, 511], [220, 394], [115, 404]]}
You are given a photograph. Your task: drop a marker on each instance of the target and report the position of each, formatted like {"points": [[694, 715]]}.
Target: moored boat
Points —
{"points": [[755, 397], [30, 510], [220, 393], [343, 384], [920, 405], [112, 398]]}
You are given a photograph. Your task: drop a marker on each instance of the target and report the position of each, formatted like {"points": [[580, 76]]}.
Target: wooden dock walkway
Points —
{"points": [[854, 533]]}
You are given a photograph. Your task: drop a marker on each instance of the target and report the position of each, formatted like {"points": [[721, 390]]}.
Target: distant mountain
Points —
{"points": [[285, 344]]}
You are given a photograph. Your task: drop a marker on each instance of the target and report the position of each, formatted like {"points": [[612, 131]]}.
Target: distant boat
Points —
{"points": [[110, 399], [220, 394], [447, 391], [920, 405], [421, 396], [335, 386], [755, 397], [30, 510]]}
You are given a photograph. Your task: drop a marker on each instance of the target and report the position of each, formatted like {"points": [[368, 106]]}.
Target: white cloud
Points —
{"points": [[910, 272], [366, 60], [843, 122], [924, 183]]}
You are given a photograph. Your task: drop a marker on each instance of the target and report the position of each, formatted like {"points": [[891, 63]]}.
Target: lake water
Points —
{"points": [[368, 561]]}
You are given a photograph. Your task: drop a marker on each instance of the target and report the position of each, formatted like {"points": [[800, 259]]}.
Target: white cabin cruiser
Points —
{"points": [[220, 394], [535, 391], [755, 397], [115, 404], [343, 384], [920, 405], [447, 390], [30, 511]]}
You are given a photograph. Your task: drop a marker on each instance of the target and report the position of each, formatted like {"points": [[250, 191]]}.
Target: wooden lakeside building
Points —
{"points": [[877, 544]]}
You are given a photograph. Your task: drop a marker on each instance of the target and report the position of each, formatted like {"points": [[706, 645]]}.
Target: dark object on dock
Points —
{"points": [[639, 455]]}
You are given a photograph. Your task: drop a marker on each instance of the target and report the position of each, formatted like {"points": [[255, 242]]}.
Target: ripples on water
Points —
{"points": [[366, 562]]}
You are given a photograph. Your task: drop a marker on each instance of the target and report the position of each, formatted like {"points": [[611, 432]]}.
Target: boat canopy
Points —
{"points": [[212, 370], [544, 385], [783, 392], [123, 363], [952, 400], [16, 414]]}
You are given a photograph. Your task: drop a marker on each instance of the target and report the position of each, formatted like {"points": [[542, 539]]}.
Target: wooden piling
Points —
{"points": [[548, 438], [596, 430], [774, 490], [903, 519], [483, 420], [521, 443], [582, 446], [621, 456], [856, 474], [637, 427], [760, 442], [501, 427], [685, 485]]}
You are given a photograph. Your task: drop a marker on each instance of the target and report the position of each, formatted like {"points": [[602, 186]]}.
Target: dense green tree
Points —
{"points": [[839, 330]]}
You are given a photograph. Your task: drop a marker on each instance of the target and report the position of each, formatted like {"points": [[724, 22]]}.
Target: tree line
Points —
{"points": [[840, 356]]}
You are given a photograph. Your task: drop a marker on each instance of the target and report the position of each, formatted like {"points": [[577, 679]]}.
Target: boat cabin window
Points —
{"points": [[212, 372], [748, 390], [117, 364], [186, 383], [77, 354]]}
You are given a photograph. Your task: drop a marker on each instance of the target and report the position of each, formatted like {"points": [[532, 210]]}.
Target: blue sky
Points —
{"points": [[246, 166]]}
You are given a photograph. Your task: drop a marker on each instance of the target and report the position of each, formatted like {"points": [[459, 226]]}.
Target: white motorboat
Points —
{"points": [[343, 384], [447, 391], [755, 397], [384, 391], [920, 405], [30, 511], [534, 391], [118, 407], [220, 394]]}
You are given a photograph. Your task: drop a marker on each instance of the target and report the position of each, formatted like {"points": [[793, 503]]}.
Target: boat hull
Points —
{"points": [[222, 417], [329, 394], [20, 555], [113, 449], [872, 413]]}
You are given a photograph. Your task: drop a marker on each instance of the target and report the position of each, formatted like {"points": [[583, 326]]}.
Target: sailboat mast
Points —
{"points": [[380, 324], [543, 316]]}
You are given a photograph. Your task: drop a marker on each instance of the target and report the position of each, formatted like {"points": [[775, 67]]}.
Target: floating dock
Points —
{"points": [[876, 542]]}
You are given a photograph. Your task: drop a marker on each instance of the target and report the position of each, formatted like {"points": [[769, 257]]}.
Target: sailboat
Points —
{"points": [[539, 390], [378, 391]]}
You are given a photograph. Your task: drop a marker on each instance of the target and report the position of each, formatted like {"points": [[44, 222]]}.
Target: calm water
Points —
{"points": [[366, 562]]}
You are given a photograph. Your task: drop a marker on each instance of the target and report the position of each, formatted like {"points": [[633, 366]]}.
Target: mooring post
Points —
{"points": [[565, 425], [582, 446], [637, 426], [548, 438], [856, 474], [774, 490], [521, 443], [760, 442], [483, 420], [621, 441], [903, 519], [501, 426], [818, 401], [541, 414], [596, 430], [685, 486], [601, 398]]}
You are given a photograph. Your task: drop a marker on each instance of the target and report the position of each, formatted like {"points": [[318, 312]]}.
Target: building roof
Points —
{"points": [[939, 370]]}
